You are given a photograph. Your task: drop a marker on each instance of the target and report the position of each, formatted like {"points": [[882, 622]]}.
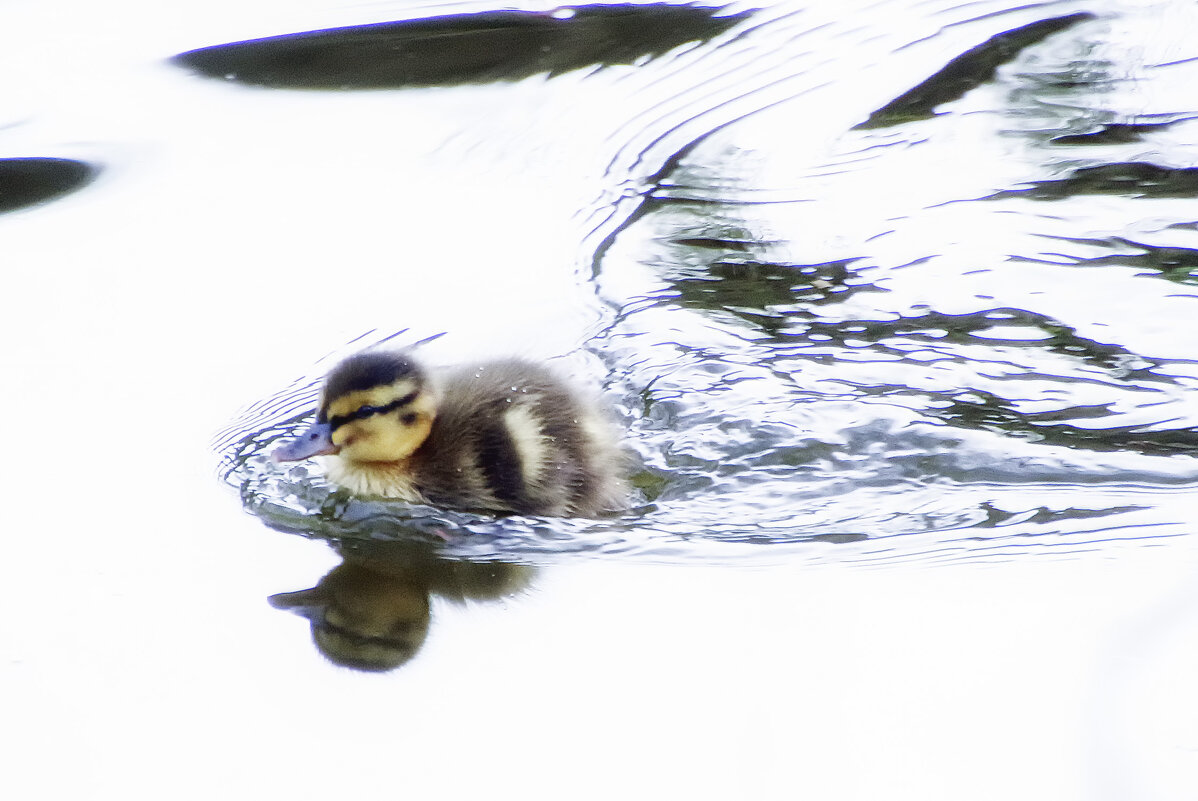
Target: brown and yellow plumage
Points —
{"points": [[506, 436]]}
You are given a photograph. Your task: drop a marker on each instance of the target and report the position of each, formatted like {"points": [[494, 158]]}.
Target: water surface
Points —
{"points": [[895, 302]]}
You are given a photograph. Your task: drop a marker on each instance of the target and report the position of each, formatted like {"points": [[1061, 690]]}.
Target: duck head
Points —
{"points": [[375, 407]]}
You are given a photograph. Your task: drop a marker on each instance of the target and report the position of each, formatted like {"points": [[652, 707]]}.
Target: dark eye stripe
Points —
{"points": [[362, 412]]}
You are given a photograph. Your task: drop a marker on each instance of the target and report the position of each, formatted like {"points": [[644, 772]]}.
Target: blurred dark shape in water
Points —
{"points": [[967, 71], [1115, 133], [737, 284], [762, 294], [1173, 263], [1133, 179], [28, 181], [988, 412], [461, 48], [372, 612], [779, 301]]}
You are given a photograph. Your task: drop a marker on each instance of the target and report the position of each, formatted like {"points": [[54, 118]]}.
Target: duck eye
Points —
{"points": [[362, 412]]}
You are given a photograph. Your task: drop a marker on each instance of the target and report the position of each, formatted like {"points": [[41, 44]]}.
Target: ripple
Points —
{"points": [[829, 343]]}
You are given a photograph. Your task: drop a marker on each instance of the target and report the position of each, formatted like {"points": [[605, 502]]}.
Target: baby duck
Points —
{"points": [[506, 436]]}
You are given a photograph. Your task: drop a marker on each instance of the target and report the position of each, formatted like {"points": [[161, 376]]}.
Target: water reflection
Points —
{"points": [[1172, 263], [1135, 179], [918, 302], [968, 71], [29, 181], [373, 611], [462, 48]]}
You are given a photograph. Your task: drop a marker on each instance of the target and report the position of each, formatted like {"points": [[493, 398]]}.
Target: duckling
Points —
{"points": [[507, 436]]}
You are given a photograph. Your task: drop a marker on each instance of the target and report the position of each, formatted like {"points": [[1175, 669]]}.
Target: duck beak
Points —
{"points": [[316, 441]]}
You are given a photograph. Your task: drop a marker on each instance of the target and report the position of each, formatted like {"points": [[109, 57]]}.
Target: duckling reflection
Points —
{"points": [[372, 612]]}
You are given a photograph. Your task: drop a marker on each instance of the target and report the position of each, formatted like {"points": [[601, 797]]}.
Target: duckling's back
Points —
{"points": [[510, 435]]}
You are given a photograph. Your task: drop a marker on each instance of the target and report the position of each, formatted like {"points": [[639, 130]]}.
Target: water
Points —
{"points": [[913, 393], [782, 389]]}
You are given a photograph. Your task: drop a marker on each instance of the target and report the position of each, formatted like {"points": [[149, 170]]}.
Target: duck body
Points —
{"points": [[506, 436]]}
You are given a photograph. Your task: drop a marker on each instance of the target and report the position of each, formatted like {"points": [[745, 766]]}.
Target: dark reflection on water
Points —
{"points": [[789, 347], [1115, 133], [29, 181], [373, 611], [462, 48], [938, 387], [1172, 263], [968, 71], [1135, 179], [782, 302]]}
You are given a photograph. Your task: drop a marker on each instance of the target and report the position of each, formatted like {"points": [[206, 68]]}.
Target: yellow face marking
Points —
{"points": [[383, 437], [375, 396]]}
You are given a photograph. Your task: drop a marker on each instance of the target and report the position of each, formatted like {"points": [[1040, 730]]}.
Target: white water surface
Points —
{"points": [[235, 236]]}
